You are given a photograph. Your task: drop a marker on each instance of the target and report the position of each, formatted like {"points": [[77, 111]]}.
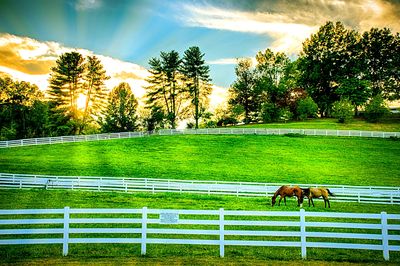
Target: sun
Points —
{"points": [[81, 101]]}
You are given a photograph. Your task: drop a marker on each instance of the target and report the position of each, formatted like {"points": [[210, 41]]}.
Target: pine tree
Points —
{"points": [[94, 87], [166, 86], [65, 82], [197, 80]]}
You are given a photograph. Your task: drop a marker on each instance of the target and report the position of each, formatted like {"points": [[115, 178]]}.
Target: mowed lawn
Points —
{"points": [[186, 254], [390, 124], [281, 159], [181, 254]]}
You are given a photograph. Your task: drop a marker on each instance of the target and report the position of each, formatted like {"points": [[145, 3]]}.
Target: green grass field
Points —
{"points": [[282, 159], [202, 255], [391, 124]]}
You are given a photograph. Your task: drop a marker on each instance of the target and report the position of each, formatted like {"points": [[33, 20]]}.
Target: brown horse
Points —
{"points": [[286, 191], [311, 193]]}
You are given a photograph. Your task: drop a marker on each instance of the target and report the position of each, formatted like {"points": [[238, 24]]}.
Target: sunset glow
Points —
{"points": [[125, 35], [81, 101]]}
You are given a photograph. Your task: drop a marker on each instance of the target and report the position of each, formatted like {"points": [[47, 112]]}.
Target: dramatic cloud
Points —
{"points": [[289, 23], [30, 60]]}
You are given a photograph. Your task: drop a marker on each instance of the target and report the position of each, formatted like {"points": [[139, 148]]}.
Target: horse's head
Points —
{"points": [[273, 201], [303, 193]]}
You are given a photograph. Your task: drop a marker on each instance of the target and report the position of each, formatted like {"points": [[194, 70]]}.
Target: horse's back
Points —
{"points": [[316, 192]]}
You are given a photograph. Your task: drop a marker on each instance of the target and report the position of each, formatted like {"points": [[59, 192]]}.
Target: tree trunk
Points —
{"points": [[196, 103]]}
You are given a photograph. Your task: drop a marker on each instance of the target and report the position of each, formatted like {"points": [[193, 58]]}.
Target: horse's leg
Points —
{"points": [[329, 205], [312, 201], [325, 201], [280, 199], [309, 199]]}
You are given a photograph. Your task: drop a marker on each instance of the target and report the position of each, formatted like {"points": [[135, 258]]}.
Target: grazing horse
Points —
{"points": [[286, 191], [311, 193]]}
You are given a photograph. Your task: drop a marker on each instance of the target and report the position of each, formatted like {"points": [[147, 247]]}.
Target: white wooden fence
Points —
{"points": [[361, 194], [215, 227], [206, 131]]}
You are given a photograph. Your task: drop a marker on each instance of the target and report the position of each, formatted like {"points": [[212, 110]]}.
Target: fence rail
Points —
{"points": [[206, 131], [361, 194], [202, 227]]}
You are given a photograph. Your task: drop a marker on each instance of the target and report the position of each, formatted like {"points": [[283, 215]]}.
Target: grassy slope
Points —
{"points": [[202, 255], [329, 160], [388, 125]]}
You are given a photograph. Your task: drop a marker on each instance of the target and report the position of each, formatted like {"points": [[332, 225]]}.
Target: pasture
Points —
{"points": [[389, 124], [27, 199], [252, 158]]}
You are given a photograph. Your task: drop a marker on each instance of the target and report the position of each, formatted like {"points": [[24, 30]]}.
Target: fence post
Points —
{"points": [[303, 234], [385, 238], [144, 229], [66, 231], [221, 233]]}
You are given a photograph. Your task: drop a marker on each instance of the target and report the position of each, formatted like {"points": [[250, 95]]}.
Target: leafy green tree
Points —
{"points": [[381, 51], [306, 108], [23, 112], [244, 92], [120, 113], [328, 57], [270, 112], [166, 86], [273, 75], [197, 79], [356, 90], [343, 110], [376, 109]]}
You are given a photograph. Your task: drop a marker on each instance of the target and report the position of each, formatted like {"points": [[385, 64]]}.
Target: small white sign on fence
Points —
{"points": [[169, 217]]}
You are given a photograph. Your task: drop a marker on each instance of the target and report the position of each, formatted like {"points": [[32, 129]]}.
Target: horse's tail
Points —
{"points": [[330, 193]]}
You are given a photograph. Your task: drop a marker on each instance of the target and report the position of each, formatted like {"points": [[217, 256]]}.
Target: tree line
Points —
{"points": [[77, 100], [338, 72]]}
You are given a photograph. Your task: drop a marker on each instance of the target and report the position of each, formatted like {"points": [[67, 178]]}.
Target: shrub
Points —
{"points": [[270, 112], [285, 114], [295, 135], [7, 133], [376, 109], [343, 110], [306, 108]]}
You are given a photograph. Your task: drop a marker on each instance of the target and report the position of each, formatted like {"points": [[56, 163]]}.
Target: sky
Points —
{"points": [[125, 34]]}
